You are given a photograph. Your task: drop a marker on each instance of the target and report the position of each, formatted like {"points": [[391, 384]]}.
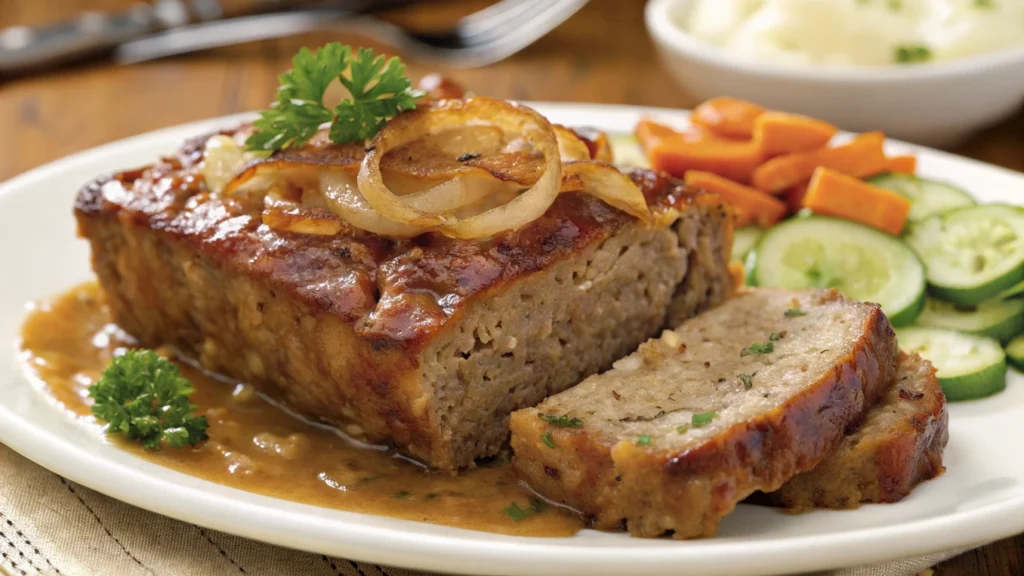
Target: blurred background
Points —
{"points": [[601, 53]]}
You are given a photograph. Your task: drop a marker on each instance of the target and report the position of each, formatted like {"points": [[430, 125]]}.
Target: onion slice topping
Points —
{"points": [[446, 115]]}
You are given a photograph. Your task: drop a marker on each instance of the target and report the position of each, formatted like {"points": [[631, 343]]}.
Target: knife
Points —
{"points": [[24, 48]]}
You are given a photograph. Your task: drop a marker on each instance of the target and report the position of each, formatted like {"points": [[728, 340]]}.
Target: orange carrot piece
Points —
{"points": [[733, 160], [836, 194], [794, 197], [650, 134], [752, 205], [727, 117], [902, 164], [783, 133], [861, 157]]}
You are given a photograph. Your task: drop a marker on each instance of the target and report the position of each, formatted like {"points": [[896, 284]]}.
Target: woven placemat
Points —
{"points": [[50, 525]]}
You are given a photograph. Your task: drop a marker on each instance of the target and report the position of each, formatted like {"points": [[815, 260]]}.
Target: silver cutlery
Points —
{"points": [[484, 37]]}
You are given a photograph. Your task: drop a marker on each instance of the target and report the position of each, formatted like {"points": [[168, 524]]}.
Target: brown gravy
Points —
{"points": [[257, 446]]}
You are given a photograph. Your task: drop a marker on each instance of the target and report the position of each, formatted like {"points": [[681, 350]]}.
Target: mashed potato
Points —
{"points": [[857, 32]]}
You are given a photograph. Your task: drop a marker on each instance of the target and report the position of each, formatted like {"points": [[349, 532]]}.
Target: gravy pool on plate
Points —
{"points": [[256, 446]]}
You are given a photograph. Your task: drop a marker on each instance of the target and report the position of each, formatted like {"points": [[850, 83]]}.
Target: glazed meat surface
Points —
{"points": [[427, 343]]}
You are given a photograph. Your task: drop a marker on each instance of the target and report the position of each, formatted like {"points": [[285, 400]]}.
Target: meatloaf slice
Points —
{"points": [[738, 399], [427, 343], [895, 447]]}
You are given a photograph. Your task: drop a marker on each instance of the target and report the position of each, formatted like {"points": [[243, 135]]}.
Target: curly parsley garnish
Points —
{"points": [[562, 421], [378, 88], [758, 348], [142, 396]]}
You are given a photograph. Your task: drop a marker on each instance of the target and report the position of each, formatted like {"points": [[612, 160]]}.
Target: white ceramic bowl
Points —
{"points": [[934, 104]]}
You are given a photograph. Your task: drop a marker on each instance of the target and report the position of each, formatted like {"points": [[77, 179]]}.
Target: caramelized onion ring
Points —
{"points": [[448, 114], [342, 194], [287, 216], [604, 181], [571, 147]]}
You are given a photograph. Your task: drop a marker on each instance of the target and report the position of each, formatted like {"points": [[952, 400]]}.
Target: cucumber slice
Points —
{"points": [[1014, 291], [626, 151], [999, 319], [973, 253], [743, 241], [1015, 352], [863, 263], [968, 366], [928, 197]]}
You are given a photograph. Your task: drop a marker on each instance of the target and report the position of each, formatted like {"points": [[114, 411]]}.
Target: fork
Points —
{"points": [[483, 37]]}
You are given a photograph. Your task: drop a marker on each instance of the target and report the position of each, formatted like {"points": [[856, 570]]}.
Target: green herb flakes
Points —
{"points": [[562, 421], [794, 312], [701, 419], [683, 429], [774, 336], [912, 53], [747, 380], [643, 440], [546, 437], [758, 348], [518, 514]]}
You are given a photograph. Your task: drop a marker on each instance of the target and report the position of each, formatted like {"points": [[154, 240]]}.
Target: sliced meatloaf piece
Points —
{"points": [[738, 399], [895, 447], [427, 343]]}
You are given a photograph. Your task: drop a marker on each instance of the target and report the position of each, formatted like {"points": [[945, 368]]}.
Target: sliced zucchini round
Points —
{"points": [[823, 252], [927, 197], [743, 241], [971, 254], [1015, 352], [968, 366], [999, 319]]}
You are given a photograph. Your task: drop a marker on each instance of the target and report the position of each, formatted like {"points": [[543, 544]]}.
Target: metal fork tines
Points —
{"points": [[484, 37]]}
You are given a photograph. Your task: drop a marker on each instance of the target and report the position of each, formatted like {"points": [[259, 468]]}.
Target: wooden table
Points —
{"points": [[602, 54]]}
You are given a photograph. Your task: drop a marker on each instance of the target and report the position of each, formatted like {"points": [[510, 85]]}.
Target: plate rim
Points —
{"points": [[500, 555]]}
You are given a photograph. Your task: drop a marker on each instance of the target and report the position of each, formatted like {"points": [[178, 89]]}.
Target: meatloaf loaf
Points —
{"points": [[738, 399], [895, 447], [427, 343]]}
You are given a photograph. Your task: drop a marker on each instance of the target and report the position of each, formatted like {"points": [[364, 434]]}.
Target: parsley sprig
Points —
{"points": [[378, 91], [142, 396]]}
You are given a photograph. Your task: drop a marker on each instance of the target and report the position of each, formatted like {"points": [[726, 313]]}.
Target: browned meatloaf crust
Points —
{"points": [[894, 448], [428, 343], [643, 455]]}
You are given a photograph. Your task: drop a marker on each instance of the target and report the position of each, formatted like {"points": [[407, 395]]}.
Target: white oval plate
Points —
{"points": [[979, 498]]}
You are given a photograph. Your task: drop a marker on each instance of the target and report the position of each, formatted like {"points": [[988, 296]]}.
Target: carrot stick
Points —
{"points": [[863, 156], [752, 205], [649, 133], [902, 164], [727, 117], [782, 133], [836, 194]]}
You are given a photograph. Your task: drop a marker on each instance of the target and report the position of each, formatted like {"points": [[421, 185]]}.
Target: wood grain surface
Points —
{"points": [[602, 54]]}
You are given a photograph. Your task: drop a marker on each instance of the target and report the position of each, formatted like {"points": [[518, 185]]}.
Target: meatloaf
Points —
{"points": [[898, 445], [738, 399], [428, 343]]}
